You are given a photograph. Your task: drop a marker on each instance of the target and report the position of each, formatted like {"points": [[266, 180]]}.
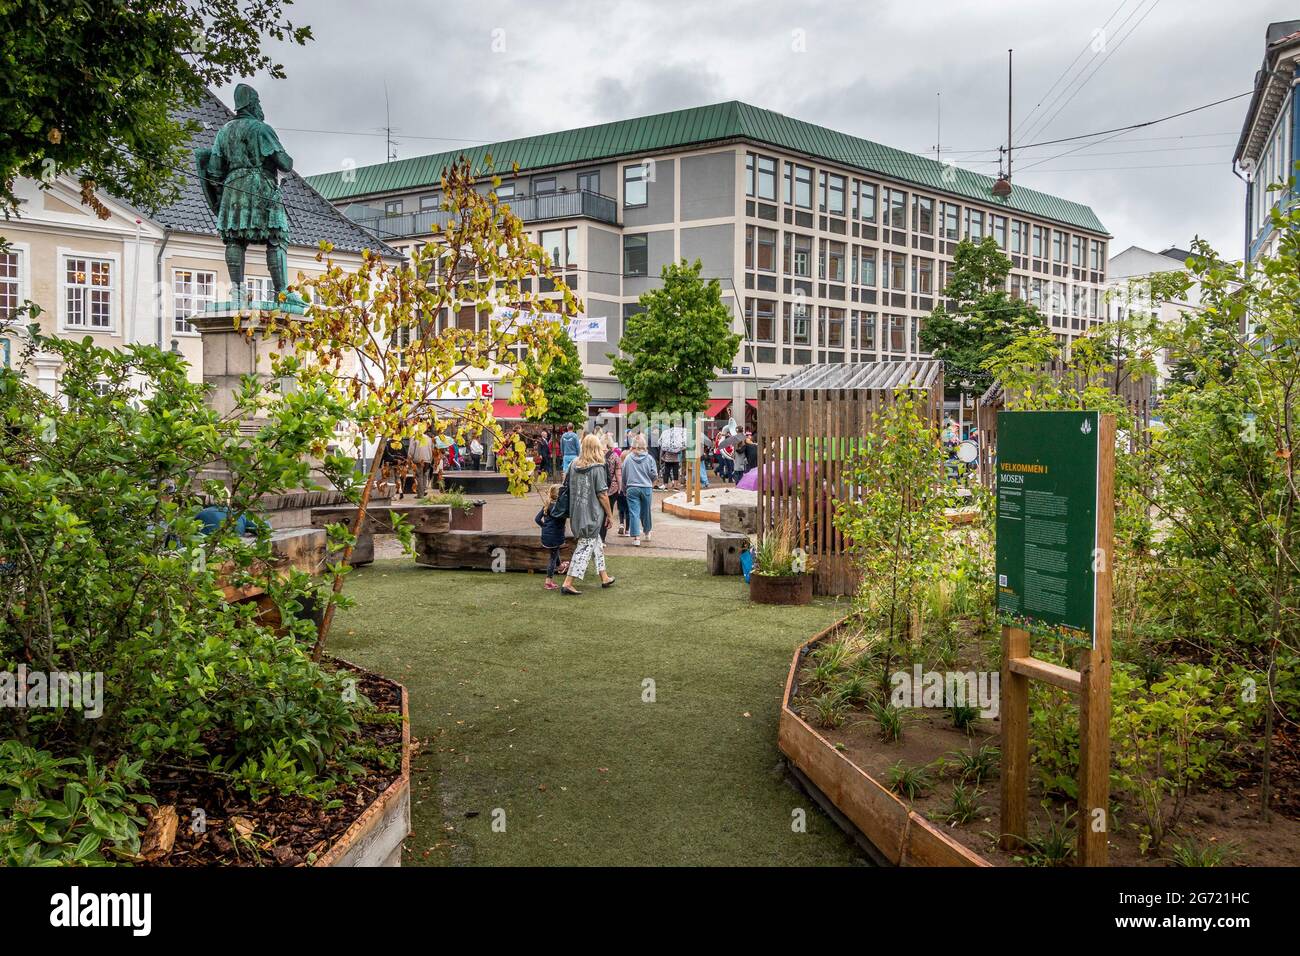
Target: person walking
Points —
{"points": [[543, 453], [614, 469], [475, 454], [638, 481], [570, 447], [552, 536], [421, 455], [589, 513]]}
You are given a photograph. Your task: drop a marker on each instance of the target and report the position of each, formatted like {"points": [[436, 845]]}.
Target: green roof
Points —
{"points": [[695, 127]]}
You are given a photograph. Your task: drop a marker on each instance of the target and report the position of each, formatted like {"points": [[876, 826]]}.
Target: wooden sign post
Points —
{"points": [[1055, 531]]}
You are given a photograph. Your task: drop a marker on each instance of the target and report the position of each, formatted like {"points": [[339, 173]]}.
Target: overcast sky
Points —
{"points": [[460, 73]]}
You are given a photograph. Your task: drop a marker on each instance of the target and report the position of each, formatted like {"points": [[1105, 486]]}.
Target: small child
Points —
{"points": [[552, 537]]}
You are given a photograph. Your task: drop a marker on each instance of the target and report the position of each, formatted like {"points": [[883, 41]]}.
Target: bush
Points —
{"points": [[109, 572], [1168, 737]]}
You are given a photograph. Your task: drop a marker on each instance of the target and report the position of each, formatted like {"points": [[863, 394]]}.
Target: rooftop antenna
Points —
{"points": [[938, 126], [388, 127], [1002, 187]]}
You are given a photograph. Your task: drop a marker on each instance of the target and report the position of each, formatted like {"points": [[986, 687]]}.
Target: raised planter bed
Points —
{"points": [[782, 589], [366, 830], [425, 519], [900, 835], [485, 551]]}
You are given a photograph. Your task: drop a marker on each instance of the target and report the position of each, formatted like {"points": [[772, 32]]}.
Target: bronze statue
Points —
{"points": [[241, 180]]}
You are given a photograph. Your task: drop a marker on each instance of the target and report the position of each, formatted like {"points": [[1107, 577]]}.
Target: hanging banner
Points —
{"points": [[587, 329]]}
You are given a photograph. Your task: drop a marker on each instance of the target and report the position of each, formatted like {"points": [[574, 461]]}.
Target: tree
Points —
{"points": [[984, 317], [677, 343], [90, 86], [895, 524], [567, 396], [391, 342]]}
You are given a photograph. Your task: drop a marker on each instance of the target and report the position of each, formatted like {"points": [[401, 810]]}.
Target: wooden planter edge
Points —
{"points": [[375, 838], [901, 835]]}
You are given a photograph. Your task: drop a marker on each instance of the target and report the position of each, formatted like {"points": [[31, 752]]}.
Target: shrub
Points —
{"points": [[907, 781], [1168, 737]]}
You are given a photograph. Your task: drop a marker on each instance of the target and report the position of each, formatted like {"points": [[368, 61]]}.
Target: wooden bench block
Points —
{"points": [[424, 519], [299, 548], [722, 552], [738, 519], [485, 551]]}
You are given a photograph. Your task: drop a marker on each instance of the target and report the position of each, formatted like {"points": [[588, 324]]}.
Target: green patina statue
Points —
{"points": [[241, 180]]}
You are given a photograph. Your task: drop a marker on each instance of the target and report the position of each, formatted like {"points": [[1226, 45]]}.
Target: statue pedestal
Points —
{"points": [[236, 343]]}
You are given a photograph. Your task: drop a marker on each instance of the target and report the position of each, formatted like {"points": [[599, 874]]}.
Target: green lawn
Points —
{"points": [[531, 702]]}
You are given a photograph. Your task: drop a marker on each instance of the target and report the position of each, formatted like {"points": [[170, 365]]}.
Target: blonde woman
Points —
{"points": [[589, 513]]}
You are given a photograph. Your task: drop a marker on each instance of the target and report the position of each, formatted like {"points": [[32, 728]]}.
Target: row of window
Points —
{"points": [[836, 328], [588, 181], [839, 195]]}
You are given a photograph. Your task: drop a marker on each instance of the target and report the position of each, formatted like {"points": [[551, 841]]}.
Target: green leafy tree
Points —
{"points": [[379, 342], [90, 86], [675, 346], [894, 522], [567, 395], [984, 317]]}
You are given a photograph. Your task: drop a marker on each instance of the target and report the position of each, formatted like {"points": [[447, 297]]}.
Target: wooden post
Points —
{"points": [[1094, 697], [1013, 714]]}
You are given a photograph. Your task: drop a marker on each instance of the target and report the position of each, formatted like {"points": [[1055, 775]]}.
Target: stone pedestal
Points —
{"points": [[234, 344]]}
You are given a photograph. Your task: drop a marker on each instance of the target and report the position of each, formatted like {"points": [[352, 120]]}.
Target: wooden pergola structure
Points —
{"points": [[810, 425]]}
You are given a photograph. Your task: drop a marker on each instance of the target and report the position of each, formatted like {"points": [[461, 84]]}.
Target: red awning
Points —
{"points": [[752, 402], [717, 406], [504, 410], [622, 408]]}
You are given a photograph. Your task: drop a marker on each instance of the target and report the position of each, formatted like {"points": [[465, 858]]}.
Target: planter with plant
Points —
{"points": [[466, 512], [782, 571]]}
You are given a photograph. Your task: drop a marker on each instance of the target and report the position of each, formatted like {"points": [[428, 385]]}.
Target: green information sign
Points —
{"points": [[1047, 521]]}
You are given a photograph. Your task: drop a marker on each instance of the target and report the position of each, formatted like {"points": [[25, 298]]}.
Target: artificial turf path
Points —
{"points": [[532, 703]]}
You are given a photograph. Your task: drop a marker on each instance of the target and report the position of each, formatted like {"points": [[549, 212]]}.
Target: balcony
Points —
{"points": [[579, 204]]}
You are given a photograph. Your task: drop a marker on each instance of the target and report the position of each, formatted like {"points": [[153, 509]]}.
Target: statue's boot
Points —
{"points": [[235, 266], [277, 263]]}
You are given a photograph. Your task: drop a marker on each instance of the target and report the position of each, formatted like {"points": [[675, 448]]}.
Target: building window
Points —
{"points": [[1040, 251], [760, 320], [505, 191], [798, 186], [999, 224], [951, 225], [897, 341], [9, 285], [922, 276], [393, 207], [798, 255], [1058, 246], [974, 225], [430, 203], [923, 215], [571, 247], [192, 290], [835, 262], [88, 293], [832, 193], [1076, 251], [1018, 237], [258, 288], [636, 256], [866, 202], [895, 209], [795, 326], [868, 331], [1017, 286], [553, 243], [867, 274], [544, 186], [896, 271], [589, 182], [1095, 263], [634, 185], [831, 331], [766, 178], [760, 249]]}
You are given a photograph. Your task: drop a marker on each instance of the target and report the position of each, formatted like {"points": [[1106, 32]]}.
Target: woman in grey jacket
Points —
{"points": [[639, 473], [588, 513]]}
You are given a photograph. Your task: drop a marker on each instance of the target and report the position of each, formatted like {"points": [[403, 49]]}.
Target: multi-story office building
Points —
{"points": [[1268, 149], [828, 247]]}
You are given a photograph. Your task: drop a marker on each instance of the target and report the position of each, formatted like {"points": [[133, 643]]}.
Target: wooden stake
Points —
{"points": [[1013, 714]]}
